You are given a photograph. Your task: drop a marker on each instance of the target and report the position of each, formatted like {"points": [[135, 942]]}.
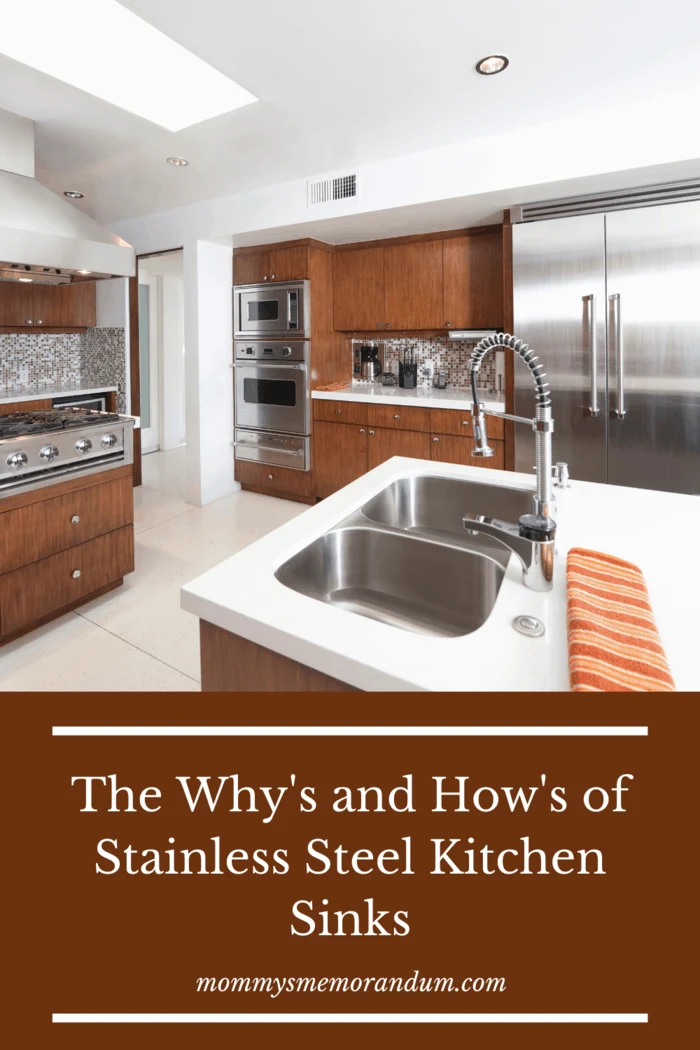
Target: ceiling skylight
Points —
{"points": [[106, 50]]}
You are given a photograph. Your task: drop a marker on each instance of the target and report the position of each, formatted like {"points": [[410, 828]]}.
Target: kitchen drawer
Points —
{"points": [[340, 411], [396, 417], [448, 449], [276, 481], [45, 587], [384, 443], [46, 527], [459, 422]]}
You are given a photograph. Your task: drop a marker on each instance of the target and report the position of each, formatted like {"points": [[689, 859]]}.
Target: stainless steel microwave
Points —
{"points": [[271, 311]]}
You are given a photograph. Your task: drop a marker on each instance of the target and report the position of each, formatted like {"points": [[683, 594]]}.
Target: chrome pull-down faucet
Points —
{"points": [[533, 537]]}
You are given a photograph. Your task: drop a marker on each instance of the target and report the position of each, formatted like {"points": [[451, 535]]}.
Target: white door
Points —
{"points": [[148, 361]]}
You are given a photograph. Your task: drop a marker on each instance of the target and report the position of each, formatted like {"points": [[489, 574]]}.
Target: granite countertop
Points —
{"points": [[48, 390], [428, 396], [242, 595]]}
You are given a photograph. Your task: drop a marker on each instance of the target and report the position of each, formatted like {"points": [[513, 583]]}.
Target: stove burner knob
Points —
{"points": [[17, 460], [83, 445], [48, 452], [109, 440], [287, 351]]}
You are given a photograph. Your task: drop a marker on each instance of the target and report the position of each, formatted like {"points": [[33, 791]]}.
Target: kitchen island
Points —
{"points": [[259, 634]]}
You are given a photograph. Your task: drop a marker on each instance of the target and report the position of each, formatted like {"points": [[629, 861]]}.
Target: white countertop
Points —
{"points": [[655, 530], [43, 390], [422, 396]]}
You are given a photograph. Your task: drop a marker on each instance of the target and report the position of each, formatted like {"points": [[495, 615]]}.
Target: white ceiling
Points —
{"points": [[343, 82]]}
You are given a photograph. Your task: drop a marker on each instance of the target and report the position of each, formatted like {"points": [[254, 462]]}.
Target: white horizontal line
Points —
{"points": [[350, 1018], [350, 730]]}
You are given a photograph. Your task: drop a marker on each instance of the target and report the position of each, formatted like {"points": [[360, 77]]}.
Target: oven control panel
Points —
{"points": [[274, 350]]}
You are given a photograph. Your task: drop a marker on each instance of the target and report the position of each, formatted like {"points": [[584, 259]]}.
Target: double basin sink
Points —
{"points": [[406, 559]]}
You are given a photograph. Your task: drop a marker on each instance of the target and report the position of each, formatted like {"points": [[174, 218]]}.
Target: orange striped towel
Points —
{"points": [[614, 646]]}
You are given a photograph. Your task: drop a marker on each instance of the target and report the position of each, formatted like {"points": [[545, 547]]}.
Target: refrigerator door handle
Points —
{"points": [[616, 307], [589, 300]]}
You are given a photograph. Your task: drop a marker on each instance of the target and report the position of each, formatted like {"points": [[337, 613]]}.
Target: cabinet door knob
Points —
{"points": [[270, 477], [338, 411], [378, 326], [397, 417], [76, 574], [448, 324], [265, 277], [29, 321], [75, 519], [465, 422], [371, 432], [436, 440], [387, 326], [272, 276], [39, 321], [362, 430]]}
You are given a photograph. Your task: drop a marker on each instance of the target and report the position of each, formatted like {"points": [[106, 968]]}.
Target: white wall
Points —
{"points": [[172, 372], [208, 376], [112, 311]]}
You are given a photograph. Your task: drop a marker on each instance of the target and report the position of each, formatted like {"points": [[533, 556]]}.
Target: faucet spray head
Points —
{"points": [[481, 449]]}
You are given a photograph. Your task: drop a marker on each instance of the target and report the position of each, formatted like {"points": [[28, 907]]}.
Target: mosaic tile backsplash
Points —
{"points": [[448, 355], [87, 360]]}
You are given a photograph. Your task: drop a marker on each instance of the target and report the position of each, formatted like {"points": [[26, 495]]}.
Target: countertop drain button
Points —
{"points": [[529, 625]]}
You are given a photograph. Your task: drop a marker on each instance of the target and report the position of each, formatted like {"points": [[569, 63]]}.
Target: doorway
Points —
{"points": [[161, 361]]}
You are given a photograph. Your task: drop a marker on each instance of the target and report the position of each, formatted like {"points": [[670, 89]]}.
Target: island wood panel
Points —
{"points": [[473, 280], [340, 411], [40, 405], [396, 417], [460, 424], [36, 591], [340, 456], [383, 444], [414, 285], [251, 268], [46, 527], [358, 289], [231, 664], [61, 488], [448, 449], [276, 481]]}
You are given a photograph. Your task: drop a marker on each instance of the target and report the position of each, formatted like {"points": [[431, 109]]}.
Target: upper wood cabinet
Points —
{"points": [[274, 264], [413, 285], [48, 306], [473, 281], [358, 289]]}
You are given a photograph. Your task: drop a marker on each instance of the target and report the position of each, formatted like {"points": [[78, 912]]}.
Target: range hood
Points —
{"points": [[476, 334], [44, 238]]}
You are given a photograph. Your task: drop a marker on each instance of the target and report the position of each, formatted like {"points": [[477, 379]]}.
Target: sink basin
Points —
{"points": [[435, 507], [398, 578]]}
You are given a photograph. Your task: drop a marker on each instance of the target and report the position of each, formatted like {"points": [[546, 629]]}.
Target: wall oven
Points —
{"points": [[272, 402], [269, 311]]}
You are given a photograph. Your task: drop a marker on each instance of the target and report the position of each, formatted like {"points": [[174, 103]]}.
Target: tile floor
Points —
{"points": [[137, 637]]}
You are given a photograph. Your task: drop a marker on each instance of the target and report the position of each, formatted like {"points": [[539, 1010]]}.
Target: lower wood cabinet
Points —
{"points": [[276, 481], [343, 451], [42, 405]]}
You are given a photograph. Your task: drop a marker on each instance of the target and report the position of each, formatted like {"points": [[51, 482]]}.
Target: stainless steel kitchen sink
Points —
{"points": [[434, 507], [416, 584]]}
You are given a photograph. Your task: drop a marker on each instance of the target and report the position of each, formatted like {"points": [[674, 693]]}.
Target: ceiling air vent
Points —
{"points": [[332, 188], [614, 200]]}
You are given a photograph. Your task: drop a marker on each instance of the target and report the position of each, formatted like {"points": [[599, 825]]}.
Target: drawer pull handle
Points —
{"points": [[371, 432], [362, 430], [397, 417], [75, 519], [76, 574], [465, 422], [436, 440]]}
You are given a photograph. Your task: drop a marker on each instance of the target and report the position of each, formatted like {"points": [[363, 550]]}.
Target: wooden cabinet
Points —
{"points": [[48, 306], [460, 424], [413, 285], [61, 546], [41, 405], [473, 281], [271, 264], [276, 481], [383, 444], [38, 591], [333, 411], [340, 455], [398, 417], [358, 289], [448, 449]]}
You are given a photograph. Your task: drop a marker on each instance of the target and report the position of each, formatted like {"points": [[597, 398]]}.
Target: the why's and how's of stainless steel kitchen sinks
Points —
{"points": [[405, 558]]}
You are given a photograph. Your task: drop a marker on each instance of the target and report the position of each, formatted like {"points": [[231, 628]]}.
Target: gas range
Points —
{"points": [[40, 448]]}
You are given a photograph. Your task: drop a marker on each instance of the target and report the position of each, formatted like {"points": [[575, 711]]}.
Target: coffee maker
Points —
{"points": [[367, 361]]}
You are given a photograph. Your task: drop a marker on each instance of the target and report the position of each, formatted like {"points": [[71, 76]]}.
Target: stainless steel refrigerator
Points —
{"points": [[611, 305]]}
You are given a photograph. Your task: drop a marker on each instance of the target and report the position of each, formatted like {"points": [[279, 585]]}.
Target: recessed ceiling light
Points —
{"points": [[178, 162], [26, 280], [151, 76], [76, 194], [492, 64]]}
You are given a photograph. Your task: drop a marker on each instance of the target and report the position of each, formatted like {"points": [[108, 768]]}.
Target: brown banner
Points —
{"points": [[544, 874]]}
